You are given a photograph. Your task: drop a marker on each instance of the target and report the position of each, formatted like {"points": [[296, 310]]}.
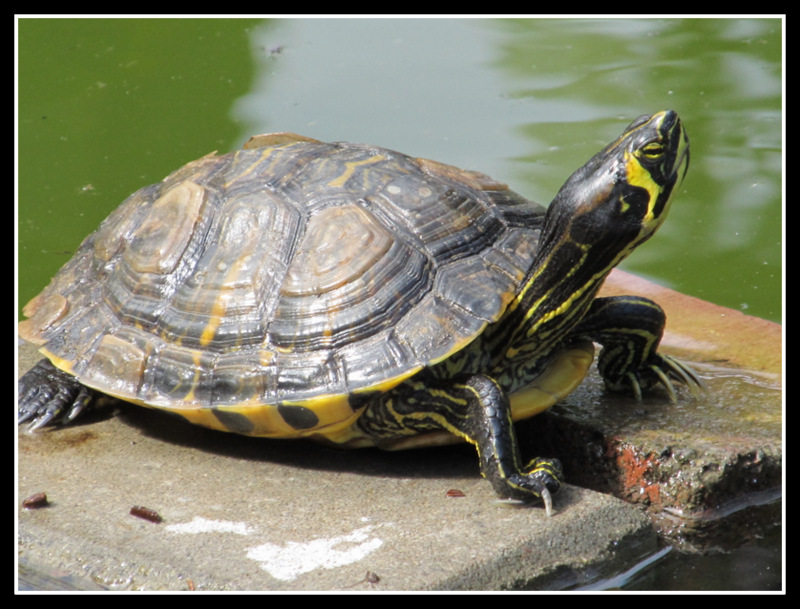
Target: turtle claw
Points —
{"points": [[634, 385], [43, 419], [664, 381], [540, 480], [662, 371], [548, 501], [48, 396], [687, 375], [544, 494]]}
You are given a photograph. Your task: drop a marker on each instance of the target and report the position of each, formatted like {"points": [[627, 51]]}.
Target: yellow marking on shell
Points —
{"points": [[255, 166], [269, 144], [220, 306], [212, 326], [335, 413], [58, 362], [351, 168], [198, 365]]}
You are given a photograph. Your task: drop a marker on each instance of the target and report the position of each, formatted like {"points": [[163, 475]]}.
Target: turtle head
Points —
{"points": [[621, 196]]}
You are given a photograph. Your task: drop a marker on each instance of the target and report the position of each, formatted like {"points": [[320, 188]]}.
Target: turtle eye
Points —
{"points": [[653, 150]]}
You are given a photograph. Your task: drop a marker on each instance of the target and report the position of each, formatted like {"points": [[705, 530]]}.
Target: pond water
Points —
{"points": [[107, 106]]}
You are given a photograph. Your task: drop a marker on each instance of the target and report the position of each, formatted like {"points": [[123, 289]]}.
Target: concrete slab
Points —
{"points": [[250, 514], [247, 514]]}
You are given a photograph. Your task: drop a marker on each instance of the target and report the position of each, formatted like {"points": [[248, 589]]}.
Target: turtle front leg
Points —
{"points": [[477, 409], [48, 395], [630, 329]]}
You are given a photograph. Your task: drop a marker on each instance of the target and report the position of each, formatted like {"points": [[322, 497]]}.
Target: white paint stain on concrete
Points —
{"points": [[294, 558], [290, 560], [204, 525]]}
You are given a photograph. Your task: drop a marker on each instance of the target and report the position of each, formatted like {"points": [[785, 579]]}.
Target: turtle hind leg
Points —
{"points": [[48, 396], [477, 409], [630, 329], [490, 428]]}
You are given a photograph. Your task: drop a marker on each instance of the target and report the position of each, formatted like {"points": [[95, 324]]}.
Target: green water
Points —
{"points": [[107, 106]]}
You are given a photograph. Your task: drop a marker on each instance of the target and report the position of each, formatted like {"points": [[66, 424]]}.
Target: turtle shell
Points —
{"points": [[271, 291]]}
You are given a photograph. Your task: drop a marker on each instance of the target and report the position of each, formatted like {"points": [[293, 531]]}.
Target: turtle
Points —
{"points": [[358, 296]]}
